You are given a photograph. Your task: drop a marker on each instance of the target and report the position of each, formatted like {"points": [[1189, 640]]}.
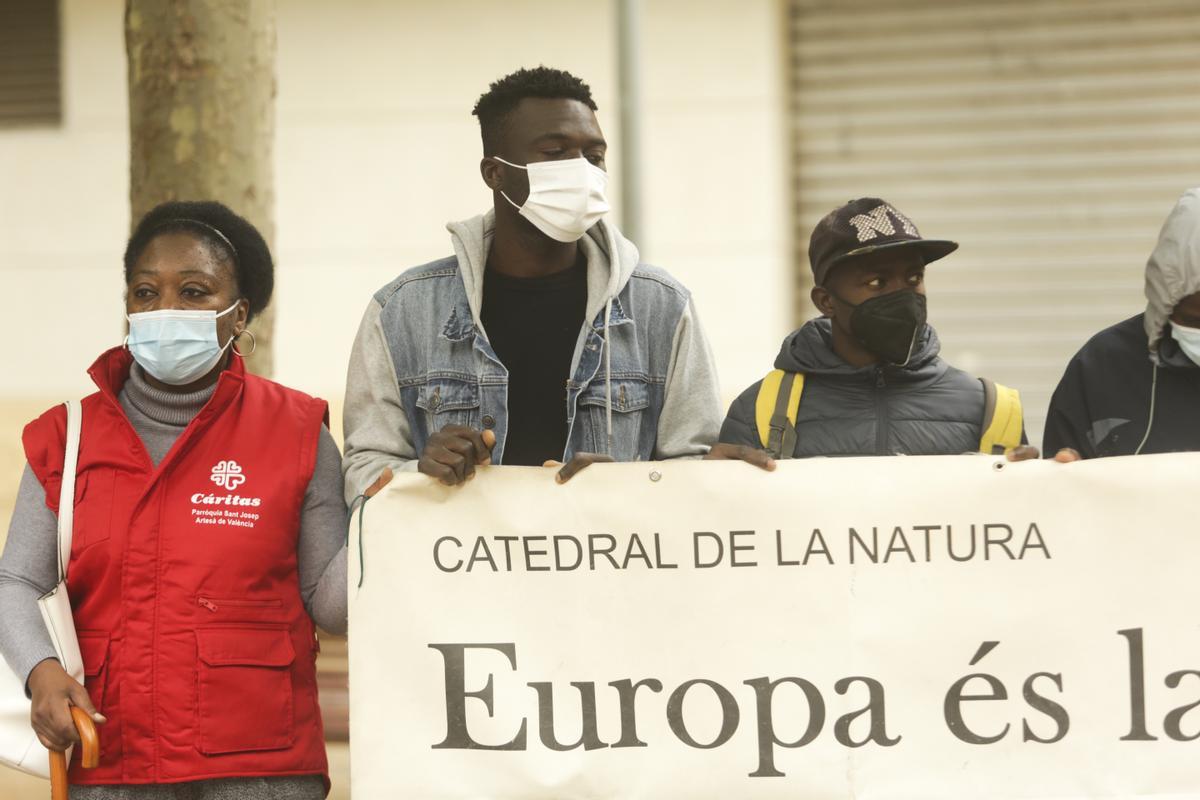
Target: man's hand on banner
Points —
{"points": [[740, 452], [452, 454], [1027, 452], [719, 452], [578, 462], [383, 480]]}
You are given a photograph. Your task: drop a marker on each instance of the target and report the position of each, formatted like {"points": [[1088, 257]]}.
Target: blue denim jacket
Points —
{"points": [[422, 361]]}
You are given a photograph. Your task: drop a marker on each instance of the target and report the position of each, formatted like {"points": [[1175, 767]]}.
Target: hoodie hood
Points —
{"points": [[810, 350], [472, 239], [1173, 271]]}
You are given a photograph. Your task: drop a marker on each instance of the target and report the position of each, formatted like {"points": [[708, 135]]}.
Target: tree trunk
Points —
{"points": [[202, 113]]}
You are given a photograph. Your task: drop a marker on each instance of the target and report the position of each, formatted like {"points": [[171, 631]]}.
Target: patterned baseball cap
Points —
{"points": [[864, 226]]}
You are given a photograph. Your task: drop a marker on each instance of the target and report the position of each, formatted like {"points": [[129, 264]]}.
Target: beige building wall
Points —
{"points": [[377, 150], [64, 216]]}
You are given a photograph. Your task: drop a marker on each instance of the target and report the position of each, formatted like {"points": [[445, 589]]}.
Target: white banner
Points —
{"points": [[937, 627]]}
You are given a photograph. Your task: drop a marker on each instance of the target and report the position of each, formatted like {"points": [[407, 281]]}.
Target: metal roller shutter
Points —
{"points": [[1049, 137]]}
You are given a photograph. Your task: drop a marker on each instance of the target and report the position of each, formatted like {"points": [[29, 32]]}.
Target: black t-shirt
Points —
{"points": [[533, 324]]}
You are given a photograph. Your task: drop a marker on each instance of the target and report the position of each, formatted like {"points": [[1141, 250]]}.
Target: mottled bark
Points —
{"points": [[202, 113]]}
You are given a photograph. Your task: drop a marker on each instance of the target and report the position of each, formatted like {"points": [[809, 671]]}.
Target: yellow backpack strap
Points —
{"points": [[1002, 418], [775, 411]]}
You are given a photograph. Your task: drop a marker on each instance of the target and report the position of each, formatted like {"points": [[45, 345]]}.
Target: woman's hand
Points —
{"points": [[54, 692]]}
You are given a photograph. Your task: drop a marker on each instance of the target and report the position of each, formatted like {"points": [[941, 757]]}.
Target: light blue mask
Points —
{"points": [[176, 346]]}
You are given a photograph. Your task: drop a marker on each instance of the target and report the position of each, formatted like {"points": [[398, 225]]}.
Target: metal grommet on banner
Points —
{"points": [[655, 476], [999, 465]]}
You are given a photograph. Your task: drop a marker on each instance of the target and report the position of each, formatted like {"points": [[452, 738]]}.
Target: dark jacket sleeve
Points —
{"points": [[1068, 418], [740, 426]]}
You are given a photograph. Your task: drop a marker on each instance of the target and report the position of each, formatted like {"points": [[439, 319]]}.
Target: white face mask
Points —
{"points": [[1189, 340], [174, 345], [566, 197]]}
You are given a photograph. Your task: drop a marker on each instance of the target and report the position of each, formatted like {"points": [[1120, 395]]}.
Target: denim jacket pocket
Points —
{"points": [[630, 399], [449, 401]]}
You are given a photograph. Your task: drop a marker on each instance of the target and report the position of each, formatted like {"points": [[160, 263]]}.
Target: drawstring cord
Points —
{"points": [[608, 376], [361, 500], [1150, 421], [614, 271]]}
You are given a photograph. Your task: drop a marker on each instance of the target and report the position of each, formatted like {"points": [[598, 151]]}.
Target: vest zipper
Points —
{"points": [[211, 605], [881, 419]]}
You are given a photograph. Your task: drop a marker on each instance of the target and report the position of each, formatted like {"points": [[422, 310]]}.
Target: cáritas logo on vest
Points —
{"points": [[228, 475]]}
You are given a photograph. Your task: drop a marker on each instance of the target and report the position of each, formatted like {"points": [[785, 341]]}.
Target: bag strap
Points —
{"points": [[66, 497], [775, 411], [1002, 418]]}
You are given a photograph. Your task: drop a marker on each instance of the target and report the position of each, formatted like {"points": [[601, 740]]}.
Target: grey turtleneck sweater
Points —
{"points": [[28, 567]]}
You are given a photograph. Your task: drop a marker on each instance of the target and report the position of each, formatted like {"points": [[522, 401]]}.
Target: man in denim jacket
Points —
{"points": [[498, 354]]}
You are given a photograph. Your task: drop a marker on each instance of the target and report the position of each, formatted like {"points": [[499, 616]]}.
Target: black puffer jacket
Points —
{"points": [[925, 408], [1102, 406]]}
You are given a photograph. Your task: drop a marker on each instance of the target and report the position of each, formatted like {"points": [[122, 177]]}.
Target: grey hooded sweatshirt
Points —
{"points": [[1130, 389], [924, 408], [422, 361]]}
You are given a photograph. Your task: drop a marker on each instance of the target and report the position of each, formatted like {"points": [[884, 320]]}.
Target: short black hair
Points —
{"points": [[502, 97], [241, 244]]}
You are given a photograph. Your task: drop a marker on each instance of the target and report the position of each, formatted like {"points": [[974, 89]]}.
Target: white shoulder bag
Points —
{"points": [[19, 745]]}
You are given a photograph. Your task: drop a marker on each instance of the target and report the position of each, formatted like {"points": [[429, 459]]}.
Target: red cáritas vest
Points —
{"points": [[183, 579]]}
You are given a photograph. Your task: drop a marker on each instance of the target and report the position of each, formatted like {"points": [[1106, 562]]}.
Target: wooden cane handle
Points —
{"points": [[89, 739], [89, 755]]}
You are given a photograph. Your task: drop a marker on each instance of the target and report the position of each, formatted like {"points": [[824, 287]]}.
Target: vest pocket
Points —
{"points": [[244, 687], [93, 508], [93, 647]]}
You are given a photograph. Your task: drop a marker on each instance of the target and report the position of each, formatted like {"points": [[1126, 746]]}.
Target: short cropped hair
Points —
{"points": [[233, 237], [498, 102]]}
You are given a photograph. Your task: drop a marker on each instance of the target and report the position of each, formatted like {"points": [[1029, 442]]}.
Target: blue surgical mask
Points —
{"points": [[1189, 340], [174, 345]]}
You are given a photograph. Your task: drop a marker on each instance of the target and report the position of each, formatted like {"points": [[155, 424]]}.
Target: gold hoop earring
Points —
{"points": [[253, 343]]}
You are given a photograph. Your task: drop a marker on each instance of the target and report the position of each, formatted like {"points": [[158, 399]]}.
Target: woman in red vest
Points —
{"points": [[208, 543]]}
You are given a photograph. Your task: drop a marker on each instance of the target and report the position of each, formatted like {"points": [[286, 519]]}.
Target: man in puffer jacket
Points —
{"points": [[1135, 387], [870, 379]]}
